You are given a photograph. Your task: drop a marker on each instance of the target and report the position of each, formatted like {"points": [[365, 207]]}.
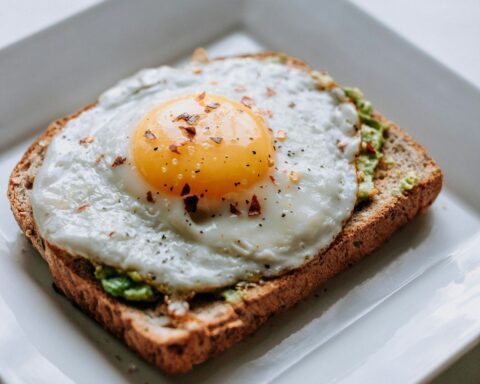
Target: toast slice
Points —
{"points": [[213, 324]]}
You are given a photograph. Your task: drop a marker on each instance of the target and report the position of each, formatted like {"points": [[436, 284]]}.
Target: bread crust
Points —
{"points": [[214, 326]]}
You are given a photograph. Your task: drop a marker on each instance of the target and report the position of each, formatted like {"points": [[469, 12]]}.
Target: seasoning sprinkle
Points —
{"points": [[254, 209], [271, 92], [189, 132], [149, 135], [201, 96], [173, 148], [119, 160], [234, 210], [370, 148], [150, 198], [185, 190], [82, 207], [100, 158], [211, 106], [190, 203], [216, 139], [87, 140], [247, 101]]}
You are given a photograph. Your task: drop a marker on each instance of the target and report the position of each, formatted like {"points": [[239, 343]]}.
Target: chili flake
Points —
{"points": [[247, 101], [271, 92], [82, 207], [211, 106], [150, 198], [190, 132], [216, 139], [87, 140], [173, 148], [371, 149], [201, 96], [149, 135], [185, 190], [119, 160], [234, 210], [191, 203], [254, 209]]}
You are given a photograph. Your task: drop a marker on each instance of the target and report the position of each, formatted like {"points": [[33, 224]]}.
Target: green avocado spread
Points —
{"points": [[127, 285], [406, 184], [131, 286], [371, 131]]}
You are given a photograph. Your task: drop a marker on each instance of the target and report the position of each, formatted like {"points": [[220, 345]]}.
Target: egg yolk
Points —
{"points": [[202, 144]]}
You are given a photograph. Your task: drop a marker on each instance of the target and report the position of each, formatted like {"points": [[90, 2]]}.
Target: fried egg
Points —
{"points": [[204, 176]]}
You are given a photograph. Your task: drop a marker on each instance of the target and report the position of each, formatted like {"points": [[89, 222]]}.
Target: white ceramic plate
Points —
{"points": [[400, 315]]}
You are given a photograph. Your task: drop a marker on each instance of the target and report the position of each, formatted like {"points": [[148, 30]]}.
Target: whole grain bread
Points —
{"points": [[212, 324]]}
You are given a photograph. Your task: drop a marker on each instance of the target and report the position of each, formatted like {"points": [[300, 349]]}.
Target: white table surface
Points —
{"points": [[448, 30]]}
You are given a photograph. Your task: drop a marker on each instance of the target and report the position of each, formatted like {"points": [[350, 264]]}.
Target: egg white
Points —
{"points": [[118, 227]]}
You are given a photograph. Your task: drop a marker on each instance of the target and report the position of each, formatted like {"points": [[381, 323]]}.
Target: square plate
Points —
{"points": [[417, 296]]}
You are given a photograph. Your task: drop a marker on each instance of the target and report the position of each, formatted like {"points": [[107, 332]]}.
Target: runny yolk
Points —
{"points": [[202, 144]]}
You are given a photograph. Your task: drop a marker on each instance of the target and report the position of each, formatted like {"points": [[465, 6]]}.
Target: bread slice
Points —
{"points": [[212, 324]]}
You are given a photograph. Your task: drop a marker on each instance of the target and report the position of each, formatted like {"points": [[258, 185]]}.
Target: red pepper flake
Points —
{"points": [[371, 149], [183, 116], [267, 112], [254, 209], [15, 181], [216, 139], [192, 119], [185, 190], [150, 198], [191, 203], [100, 158], [341, 146], [173, 148], [211, 106], [247, 101], [189, 119], [87, 140], [149, 135], [111, 234], [201, 96], [271, 92], [190, 132], [273, 180], [119, 160], [82, 207], [234, 210]]}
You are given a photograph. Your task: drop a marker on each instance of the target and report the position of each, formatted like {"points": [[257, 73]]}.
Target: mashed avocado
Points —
{"points": [[371, 131], [407, 183], [127, 285]]}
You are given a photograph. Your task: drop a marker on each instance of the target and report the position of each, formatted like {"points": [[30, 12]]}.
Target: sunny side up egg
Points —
{"points": [[204, 176]]}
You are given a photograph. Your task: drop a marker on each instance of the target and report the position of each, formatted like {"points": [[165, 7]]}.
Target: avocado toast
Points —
{"points": [[406, 181]]}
